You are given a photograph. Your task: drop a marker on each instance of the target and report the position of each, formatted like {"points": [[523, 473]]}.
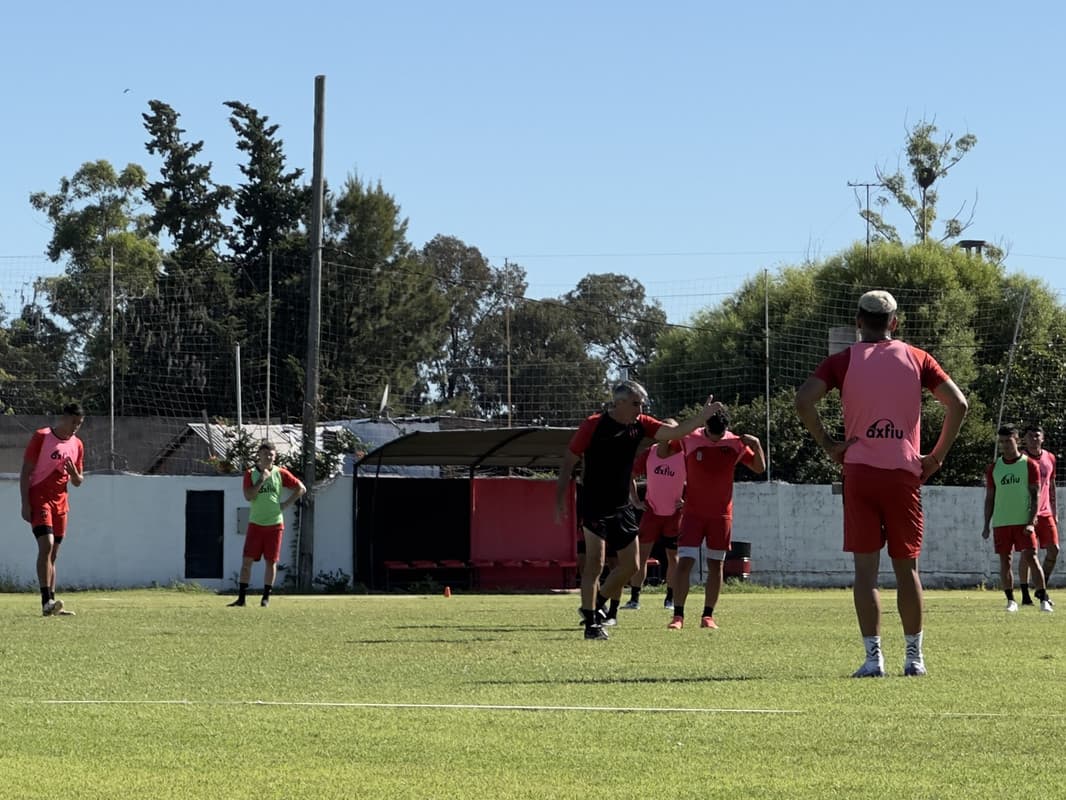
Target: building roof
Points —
{"points": [[488, 447]]}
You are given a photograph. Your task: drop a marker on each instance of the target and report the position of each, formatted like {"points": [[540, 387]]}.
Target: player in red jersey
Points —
{"points": [[711, 456], [880, 381], [1047, 529], [53, 458]]}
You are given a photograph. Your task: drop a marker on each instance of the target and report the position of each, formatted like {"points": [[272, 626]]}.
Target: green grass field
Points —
{"points": [[168, 694]]}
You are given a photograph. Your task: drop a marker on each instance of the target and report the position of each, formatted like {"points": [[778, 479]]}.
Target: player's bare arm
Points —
{"points": [[955, 407], [990, 502], [758, 466], [299, 491], [562, 486], [669, 431], [807, 397]]}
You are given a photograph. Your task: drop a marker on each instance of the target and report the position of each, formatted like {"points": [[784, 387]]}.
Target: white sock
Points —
{"points": [[873, 648], [914, 645]]}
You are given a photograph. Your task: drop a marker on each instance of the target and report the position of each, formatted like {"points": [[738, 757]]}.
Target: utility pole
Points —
{"points": [[856, 185], [306, 553]]}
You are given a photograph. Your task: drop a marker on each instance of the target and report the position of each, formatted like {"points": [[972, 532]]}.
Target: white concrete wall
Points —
{"points": [[796, 535], [129, 530]]}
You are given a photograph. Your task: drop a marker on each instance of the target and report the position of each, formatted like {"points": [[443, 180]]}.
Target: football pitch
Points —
{"points": [[170, 694]]}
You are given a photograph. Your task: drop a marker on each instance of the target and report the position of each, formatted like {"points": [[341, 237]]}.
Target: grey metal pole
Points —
{"points": [[766, 338], [111, 367], [270, 318], [314, 329]]}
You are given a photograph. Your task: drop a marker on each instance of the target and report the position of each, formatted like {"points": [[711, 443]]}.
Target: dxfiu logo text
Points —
{"points": [[1007, 480], [664, 470], [884, 429]]}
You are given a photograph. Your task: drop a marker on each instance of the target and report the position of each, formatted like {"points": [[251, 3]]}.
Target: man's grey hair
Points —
{"points": [[629, 389]]}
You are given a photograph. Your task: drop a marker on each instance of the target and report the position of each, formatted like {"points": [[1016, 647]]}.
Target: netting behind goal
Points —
{"points": [[214, 344]]}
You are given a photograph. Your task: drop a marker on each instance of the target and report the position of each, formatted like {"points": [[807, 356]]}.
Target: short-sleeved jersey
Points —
{"points": [[1046, 464], [709, 466], [266, 507], [666, 477], [880, 386], [47, 453], [608, 448], [1011, 481]]}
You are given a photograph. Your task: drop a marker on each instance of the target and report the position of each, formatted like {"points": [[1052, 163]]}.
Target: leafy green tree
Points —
{"points": [[962, 309], [270, 206], [36, 371], [268, 244], [95, 216], [616, 320], [180, 337], [928, 160], [187, 205], [473, 290], [554, 380], [383, 316]]}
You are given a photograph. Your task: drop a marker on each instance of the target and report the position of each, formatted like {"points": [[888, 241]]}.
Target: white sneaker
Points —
{"points": [[1046, 607], [1011, 606], [610, 622], [870, 669], [48, 608], [914, 667]]}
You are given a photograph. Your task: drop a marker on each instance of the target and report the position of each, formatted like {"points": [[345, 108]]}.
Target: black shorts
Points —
{"points": [[669, 542], [618, 529]]}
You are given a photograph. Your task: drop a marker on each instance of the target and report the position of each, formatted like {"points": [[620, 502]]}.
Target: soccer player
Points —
{"points": [[711, 456], [1047, 530], [266, 522], [664, 465], [53, 459], [880, 382], [609, 441], [1012, 492]]}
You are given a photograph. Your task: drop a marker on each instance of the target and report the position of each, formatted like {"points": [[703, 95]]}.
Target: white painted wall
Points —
{"points": [[129, 530], [796, 535]]}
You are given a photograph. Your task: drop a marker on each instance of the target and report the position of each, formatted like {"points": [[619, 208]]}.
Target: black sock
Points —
{"points": [[590, 617], [45, 595], [1041, 594], [51, 593], [634, 594], [267, 589], [1025, 591], [613, 611], [708, 611], [669, 594], [679, 611], [242, 591], [1010, 595], [601, 601]]}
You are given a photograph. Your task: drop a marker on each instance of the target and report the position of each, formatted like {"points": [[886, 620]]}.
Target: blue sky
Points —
{"points": [[689, 144]]}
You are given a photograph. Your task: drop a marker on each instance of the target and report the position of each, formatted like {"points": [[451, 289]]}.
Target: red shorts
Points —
{"points": [[49, 513], [882, 505], [716, 532], [653, 527], [263, 541], [1047, 532], [1013, 537]]}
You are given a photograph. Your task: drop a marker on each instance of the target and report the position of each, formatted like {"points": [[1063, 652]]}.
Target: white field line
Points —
{"points": [[434, 706]]}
